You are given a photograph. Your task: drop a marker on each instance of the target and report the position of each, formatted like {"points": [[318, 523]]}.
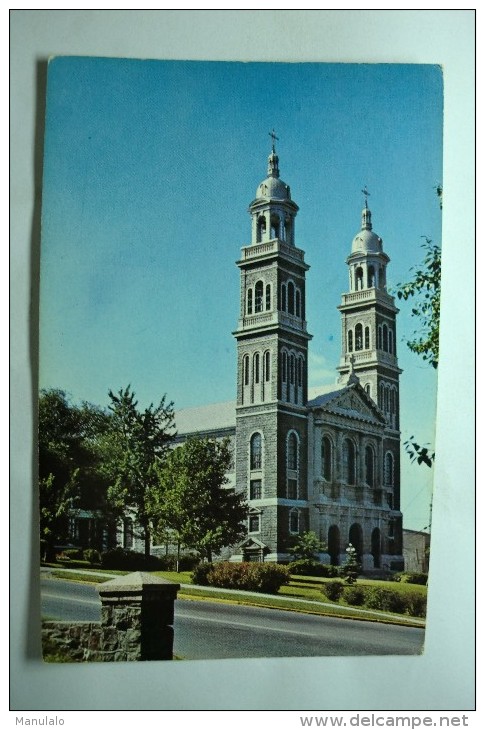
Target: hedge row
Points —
{"points": [[306, 566], [382, 599], [419, 579], [258, 577]]}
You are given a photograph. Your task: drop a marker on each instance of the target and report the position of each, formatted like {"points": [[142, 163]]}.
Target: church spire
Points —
{"points": [[366, 214], [273, 160]]}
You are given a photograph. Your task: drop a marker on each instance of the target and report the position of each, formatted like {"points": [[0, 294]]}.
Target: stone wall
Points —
{"points": [[137, 614], [74, 642]]}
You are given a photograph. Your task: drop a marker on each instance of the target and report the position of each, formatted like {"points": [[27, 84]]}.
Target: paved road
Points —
{"points": [[205, 630]]}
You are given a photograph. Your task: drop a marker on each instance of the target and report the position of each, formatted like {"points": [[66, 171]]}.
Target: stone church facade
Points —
{"points": [[326, 460]]}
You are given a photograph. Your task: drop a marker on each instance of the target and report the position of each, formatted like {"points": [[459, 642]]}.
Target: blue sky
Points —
{"points": [[149, 170]]}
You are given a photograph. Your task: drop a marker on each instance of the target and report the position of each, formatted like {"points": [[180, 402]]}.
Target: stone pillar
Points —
{"points": [[137, 617]]}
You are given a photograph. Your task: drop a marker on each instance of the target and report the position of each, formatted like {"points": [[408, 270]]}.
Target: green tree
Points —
{"points": [[140, 441], [307, 546], [352, 566], [55, 502], [194, 501], [70, 463], [424, 288]]}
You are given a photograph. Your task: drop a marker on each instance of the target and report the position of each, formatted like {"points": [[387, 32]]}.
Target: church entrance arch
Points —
{"points": [[376, 547], [356, 539], [334, 544]]}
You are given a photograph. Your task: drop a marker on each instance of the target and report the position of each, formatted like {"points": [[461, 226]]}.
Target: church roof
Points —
{"points": [[366, 241], [318, 396], [217, 418], [351, 401], [206, 419]]}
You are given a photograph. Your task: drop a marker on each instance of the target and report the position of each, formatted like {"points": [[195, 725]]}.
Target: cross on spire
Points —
{"points": [[273, 137], [366, 195]]}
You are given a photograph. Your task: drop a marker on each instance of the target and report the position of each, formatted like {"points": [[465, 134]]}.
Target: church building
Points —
{"points": [[326, 460]]}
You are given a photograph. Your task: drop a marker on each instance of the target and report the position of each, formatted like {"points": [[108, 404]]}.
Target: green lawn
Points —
{"points": [[311, 587], [304, 587]]}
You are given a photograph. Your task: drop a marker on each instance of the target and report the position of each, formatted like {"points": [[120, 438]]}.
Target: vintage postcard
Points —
{"points": [[239, 328]]}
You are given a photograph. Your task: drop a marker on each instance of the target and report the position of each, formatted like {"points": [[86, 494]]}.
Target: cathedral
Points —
{"points": [[329, 460]]}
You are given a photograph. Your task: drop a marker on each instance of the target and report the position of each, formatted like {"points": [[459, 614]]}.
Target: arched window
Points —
{"points": [[369, 466], [294, 521], [326, 458], [268, 297], [254, 522], [261, 228], [391, 341], [366, 338], [348, 461], [381, 396], [386, 399], [284, 367], [358, 337], [371, 277], [379, 337], [297, 303], [350, 337], [283, 297], [267, 372], [288, 229], [250, 301], [381, 277], [246, 369], [258, 297], [291, 298], [292, 369], [367, 388], [275, 226], [359, 279], [255, 451], [292, 451], [300, 371], [256, 367], [389, 470], [385, 343]]}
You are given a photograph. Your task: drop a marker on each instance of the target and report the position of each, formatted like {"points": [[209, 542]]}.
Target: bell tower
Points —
{"points": [[369, 322], [369, 339], [272, 366]]}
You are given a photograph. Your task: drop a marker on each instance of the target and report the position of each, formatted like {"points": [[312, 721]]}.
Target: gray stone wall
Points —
{"points": [[137, 614], [74, 642]]}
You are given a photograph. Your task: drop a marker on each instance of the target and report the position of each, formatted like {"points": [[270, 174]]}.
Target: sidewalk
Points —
{"points": [[274, 597]]}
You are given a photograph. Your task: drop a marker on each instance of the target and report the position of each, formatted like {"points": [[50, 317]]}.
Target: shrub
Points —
{"points": [[71, 554], [419, 579], [120, 559], [333, 590], [92, 556], [355, 595], [416, 604], [201, 574], [272, 576], [385, 599], [312, 567], [259, 577], [186, 562]]}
